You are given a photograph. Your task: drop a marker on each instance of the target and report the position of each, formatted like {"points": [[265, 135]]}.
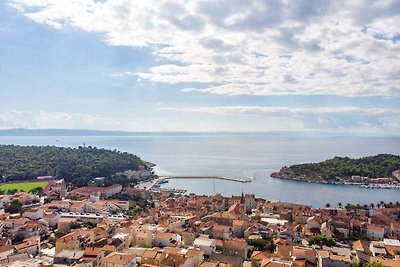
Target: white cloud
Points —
{"points": [[248, 47], [235, 118], [41, 119], [122, 74], [311, 118]]}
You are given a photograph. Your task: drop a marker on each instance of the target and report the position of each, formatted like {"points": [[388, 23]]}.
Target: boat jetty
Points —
{"points": [[154, 184], [240, 180]]}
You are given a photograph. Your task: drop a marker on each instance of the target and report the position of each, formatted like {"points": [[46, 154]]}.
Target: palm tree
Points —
{"points": [[339, 205], [327, 205], [372, 205]]}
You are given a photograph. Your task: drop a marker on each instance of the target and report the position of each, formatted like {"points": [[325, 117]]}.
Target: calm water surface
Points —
{"points": [[243, 156]]}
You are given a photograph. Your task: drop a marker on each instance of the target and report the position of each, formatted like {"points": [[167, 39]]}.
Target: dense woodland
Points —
{"points": [[381, 165], [18, 163]]}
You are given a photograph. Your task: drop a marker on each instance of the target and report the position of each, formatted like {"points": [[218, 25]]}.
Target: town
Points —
{"points": [[135, 226], [273, 125]]}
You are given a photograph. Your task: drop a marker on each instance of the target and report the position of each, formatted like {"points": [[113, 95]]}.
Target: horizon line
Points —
{"points": [[126, 132]]}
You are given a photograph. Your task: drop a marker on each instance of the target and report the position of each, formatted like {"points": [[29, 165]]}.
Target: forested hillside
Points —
{"points": [[28, 162], [381, 165]]}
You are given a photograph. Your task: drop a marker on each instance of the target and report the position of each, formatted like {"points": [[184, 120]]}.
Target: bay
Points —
{"points": [[244, 155]]}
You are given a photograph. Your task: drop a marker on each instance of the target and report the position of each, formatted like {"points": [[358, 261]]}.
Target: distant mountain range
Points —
{"points": [[61, 132], [83, 132]]}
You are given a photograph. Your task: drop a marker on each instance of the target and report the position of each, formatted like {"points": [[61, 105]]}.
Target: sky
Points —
{"points": [[218, 65]]}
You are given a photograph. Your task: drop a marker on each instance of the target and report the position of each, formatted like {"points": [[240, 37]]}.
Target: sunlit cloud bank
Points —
{"points": [[65, 120], [311, 118], [347, 48]]}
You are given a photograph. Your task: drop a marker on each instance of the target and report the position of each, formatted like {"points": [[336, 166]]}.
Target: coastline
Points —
{"points": [[243, 180], [279, 175]]}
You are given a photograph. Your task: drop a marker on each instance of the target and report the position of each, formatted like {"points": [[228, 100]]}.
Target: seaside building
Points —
{"points": [[104, 192], [396, 174]]}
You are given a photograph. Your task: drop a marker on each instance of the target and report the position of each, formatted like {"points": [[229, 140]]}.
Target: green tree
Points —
{"points": [[15, 206], [12, 191], [77, 165], [321, 240], [342, 168], [262, 244], [37, 191]]}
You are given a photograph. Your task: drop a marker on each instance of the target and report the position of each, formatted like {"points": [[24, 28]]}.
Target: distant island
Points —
{"points": [[77, 165], [86, 132], [372, 169]]}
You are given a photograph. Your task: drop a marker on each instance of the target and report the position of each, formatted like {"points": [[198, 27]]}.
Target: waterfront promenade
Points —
{"points": [[149, 184]]}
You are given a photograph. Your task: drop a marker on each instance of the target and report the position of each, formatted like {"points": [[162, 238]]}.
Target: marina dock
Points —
{"points": [[240, 180], [155, 183]]}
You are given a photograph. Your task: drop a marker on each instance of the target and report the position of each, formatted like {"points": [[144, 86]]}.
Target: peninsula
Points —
{"points": [[378, 169], [77, 165]]}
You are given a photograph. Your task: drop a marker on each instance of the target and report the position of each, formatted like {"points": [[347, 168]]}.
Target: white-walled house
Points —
{"points": [[207, 245], [313, 223], [4, 200], [33, 214], [6, 251], [376, 232], [29, 245], [162, 239], [51, 219]]}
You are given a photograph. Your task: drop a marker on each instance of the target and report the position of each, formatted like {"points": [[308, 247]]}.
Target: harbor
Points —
{"points": [[380, 186], [240, 180], [154, 184]]}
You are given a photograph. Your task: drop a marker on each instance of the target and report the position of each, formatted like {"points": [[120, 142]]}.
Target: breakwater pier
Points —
{"points": [[240, 180], [154, 183]]}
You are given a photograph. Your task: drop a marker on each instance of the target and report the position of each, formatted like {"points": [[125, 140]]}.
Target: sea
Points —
{"points": [[250, 156]]}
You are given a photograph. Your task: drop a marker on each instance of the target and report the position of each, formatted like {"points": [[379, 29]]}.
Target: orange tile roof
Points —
{"points": [[238, 222], [275, 263], [29, 242], [91, 251], [118, 258], [237, 243], [152, 253], [387, 262], [6, 248], [108, 248], [391, 249], [194, 252], [218, 227], [260, 255], [285, 251], [174, 260], [375, 227], [339, 258], [162, 235]]}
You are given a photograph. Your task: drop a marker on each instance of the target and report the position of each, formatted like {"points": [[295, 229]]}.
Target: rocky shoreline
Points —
{"points": [[287, 174]]}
